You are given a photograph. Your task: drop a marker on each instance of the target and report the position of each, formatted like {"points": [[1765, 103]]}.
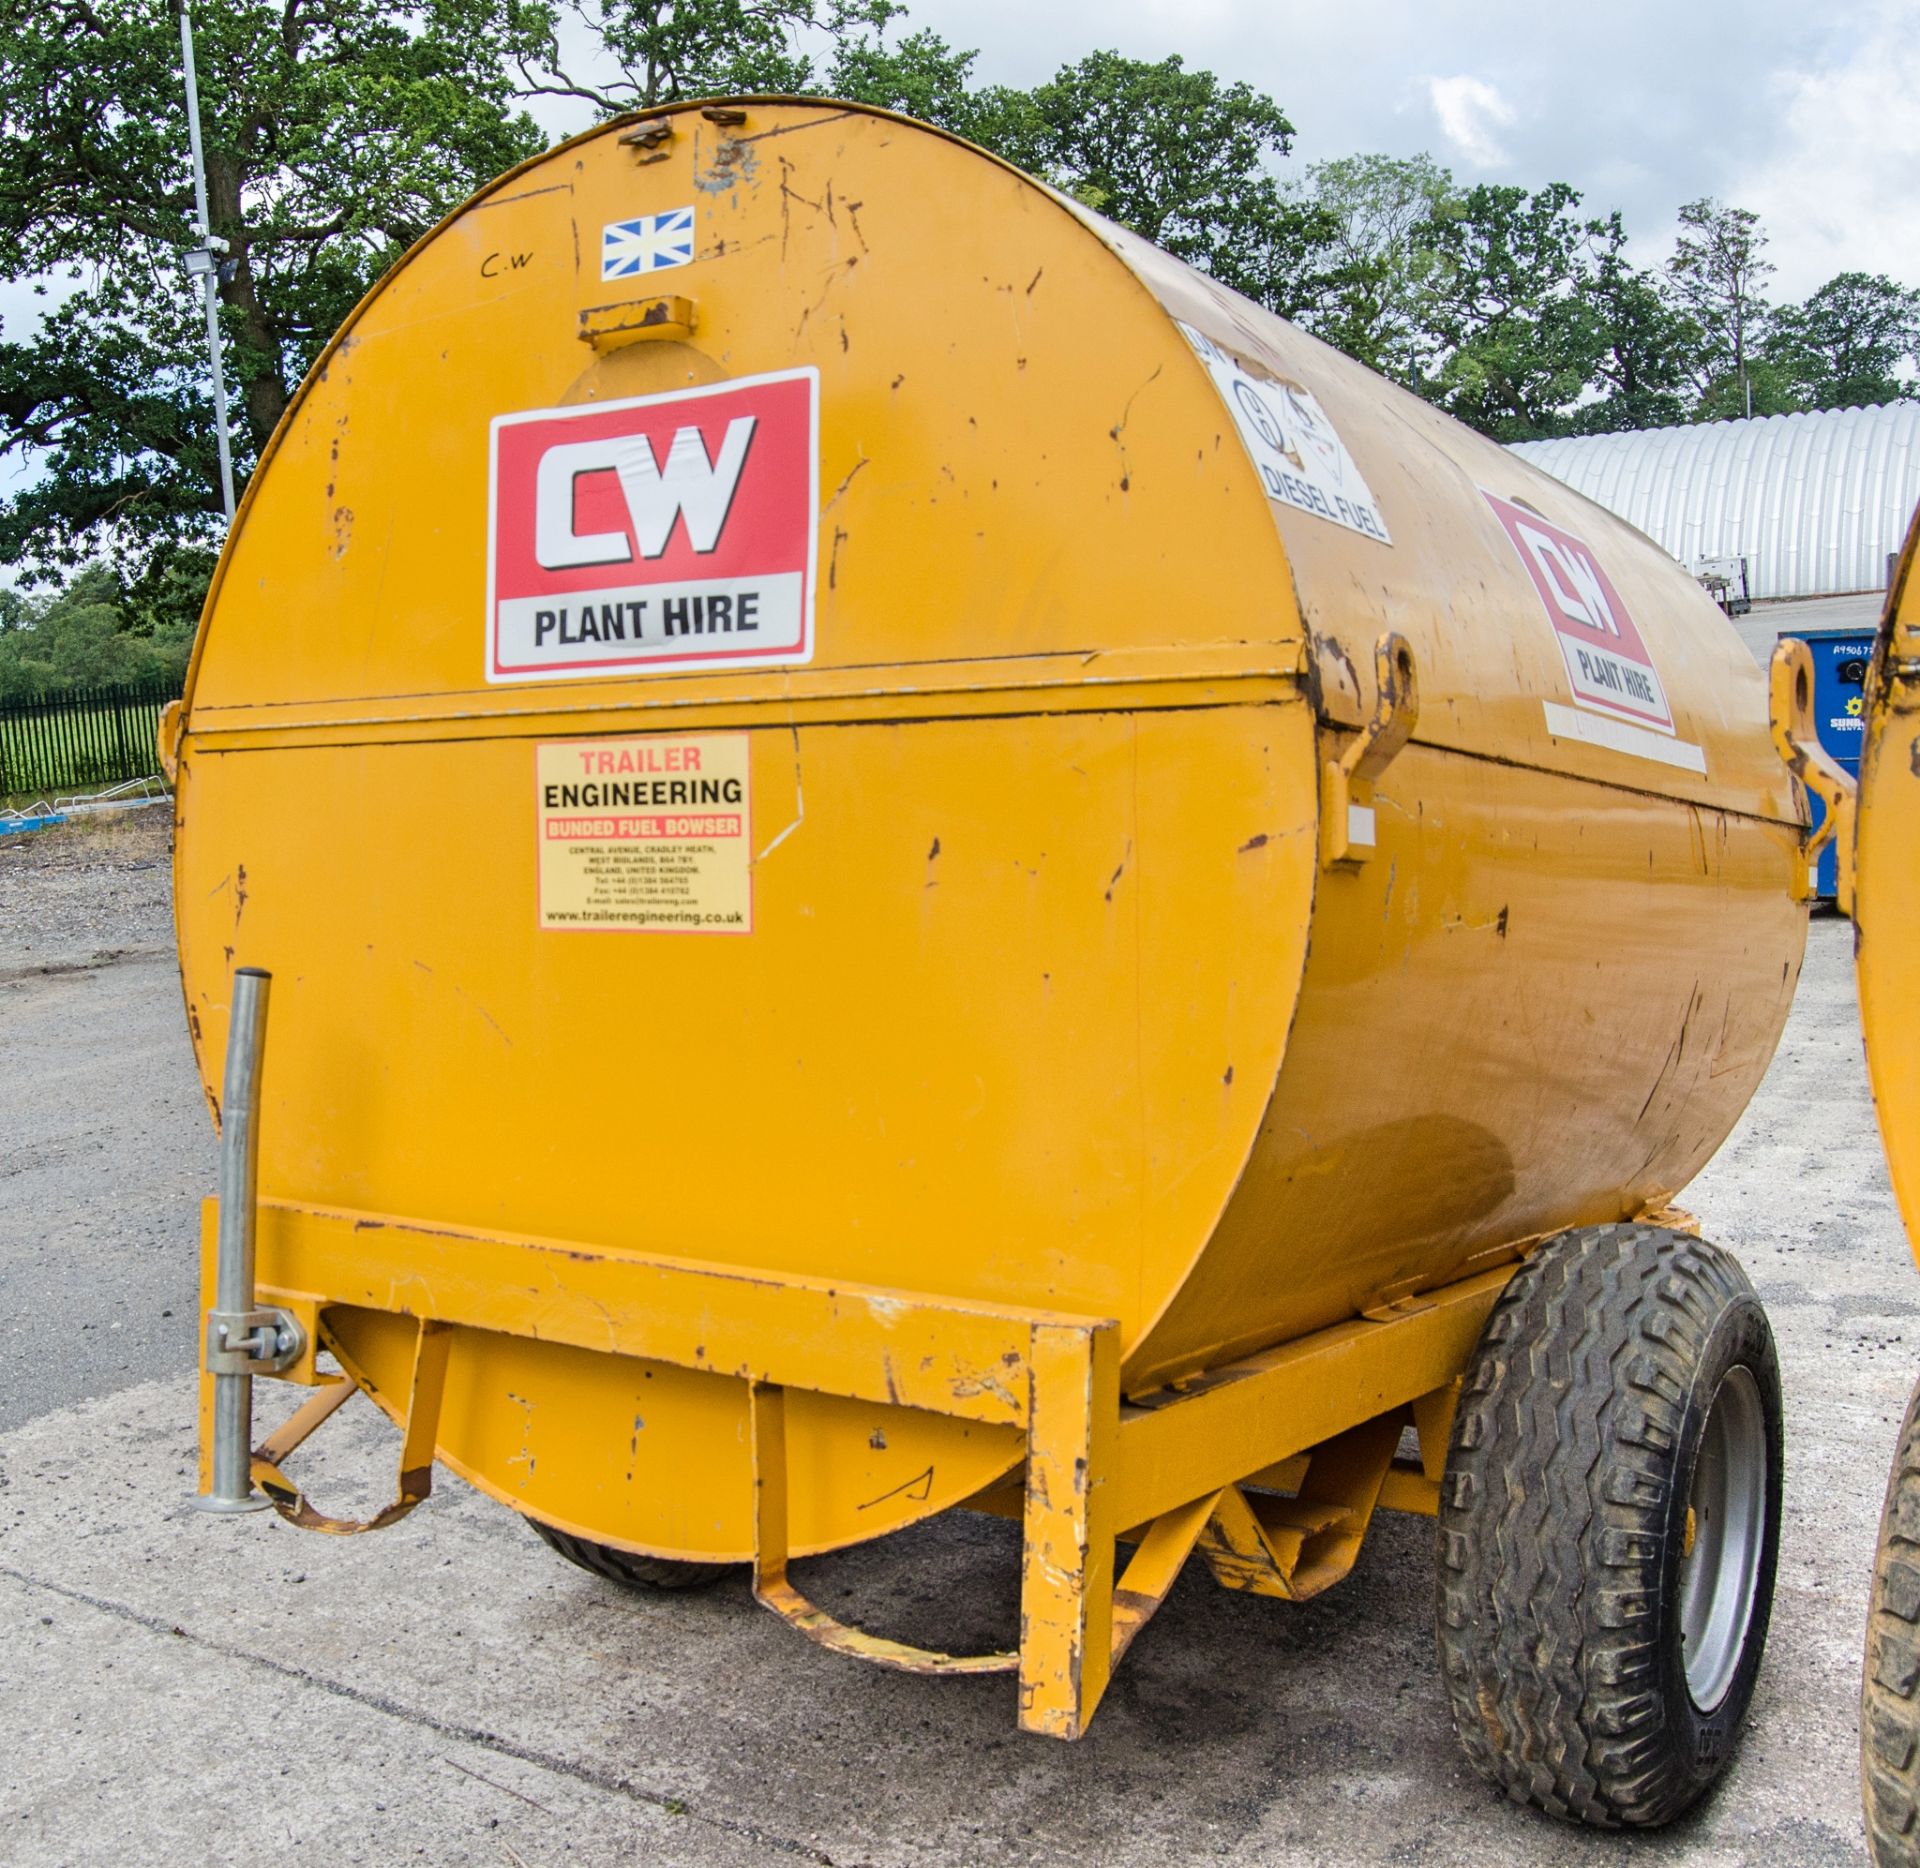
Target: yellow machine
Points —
{"points": [[912, 858], [1878, 838]]}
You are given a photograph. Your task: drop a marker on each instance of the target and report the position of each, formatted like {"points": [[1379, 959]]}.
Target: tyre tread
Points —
{"points": [[1554, 1518], [625, 1566], [1890, 1681]]}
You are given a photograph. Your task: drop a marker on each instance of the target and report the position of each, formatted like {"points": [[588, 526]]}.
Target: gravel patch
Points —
{"points": [[92, 886]]}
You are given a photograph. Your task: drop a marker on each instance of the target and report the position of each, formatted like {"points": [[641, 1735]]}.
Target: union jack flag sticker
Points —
{"points": [[650, 244]]}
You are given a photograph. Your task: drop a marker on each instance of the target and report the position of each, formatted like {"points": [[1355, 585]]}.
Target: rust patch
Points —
{"points": [[863, 461]]}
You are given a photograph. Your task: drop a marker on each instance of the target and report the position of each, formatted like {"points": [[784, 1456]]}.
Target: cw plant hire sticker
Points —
{"points": [[657, 534], [1607, 660]]}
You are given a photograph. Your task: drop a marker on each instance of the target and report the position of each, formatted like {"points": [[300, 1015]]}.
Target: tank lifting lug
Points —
{"points": [[1797, 741], [648, 139], [1346, 810]]}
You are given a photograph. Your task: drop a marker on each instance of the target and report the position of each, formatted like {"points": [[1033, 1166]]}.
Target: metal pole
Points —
{"points": [[234, 1253], [202, 260]]}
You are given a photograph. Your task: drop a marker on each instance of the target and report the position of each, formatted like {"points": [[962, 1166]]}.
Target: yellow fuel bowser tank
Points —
{"points": [[1877, 830], [911, 857]]}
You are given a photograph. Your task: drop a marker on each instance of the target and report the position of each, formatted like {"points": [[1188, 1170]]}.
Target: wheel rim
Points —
{"points": [[1726, 1530]]}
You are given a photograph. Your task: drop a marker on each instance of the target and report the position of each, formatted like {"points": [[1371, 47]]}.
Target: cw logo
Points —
{"points": [[1573, 578], [691, 484]]}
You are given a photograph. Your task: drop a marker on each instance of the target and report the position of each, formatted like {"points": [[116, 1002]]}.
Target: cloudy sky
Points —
{"points": [[1803, 113]]}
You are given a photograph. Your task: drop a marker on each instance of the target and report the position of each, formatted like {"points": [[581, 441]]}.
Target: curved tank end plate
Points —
{"points": [[1887, 880], [1024, 851]]}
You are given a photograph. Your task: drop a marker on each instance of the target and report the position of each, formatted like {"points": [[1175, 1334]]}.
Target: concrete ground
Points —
{"points": [[179, 1688], [1763, 625]]}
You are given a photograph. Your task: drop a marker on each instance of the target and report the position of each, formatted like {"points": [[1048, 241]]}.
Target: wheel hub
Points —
{"points": [[1726, 1528]]}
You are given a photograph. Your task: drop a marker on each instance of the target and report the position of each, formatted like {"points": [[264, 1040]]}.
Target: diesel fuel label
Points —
{"points": [[645, 836]]}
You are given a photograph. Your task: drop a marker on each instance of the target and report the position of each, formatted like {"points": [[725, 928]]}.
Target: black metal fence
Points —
{"points": [[92, 736]]}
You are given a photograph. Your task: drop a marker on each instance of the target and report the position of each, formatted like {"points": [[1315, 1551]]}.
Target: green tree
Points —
{"points": [[1718, 274], [1183, 160], [1647, 350], [1375, 267], [925, 77], [1513, 341], [1846, 345], [80, 637], [336, 135], [1175, 155], [644, 53]]}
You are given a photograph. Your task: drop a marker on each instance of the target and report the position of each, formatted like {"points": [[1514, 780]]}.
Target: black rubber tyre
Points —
{"points": [[1568, 1525], [1890, 1684], [622, 1566]]}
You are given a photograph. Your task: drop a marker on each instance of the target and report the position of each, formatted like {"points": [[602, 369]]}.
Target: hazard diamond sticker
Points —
{"points": [[1292, 442], [656, 534]]}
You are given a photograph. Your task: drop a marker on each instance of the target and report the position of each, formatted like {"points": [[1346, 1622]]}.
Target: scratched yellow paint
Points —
{"points": [[1887, 880], [1048, 1002]]}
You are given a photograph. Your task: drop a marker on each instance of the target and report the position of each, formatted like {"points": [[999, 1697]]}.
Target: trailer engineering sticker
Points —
{"points": [[659, 534], [1295, 449], [645, 835]]}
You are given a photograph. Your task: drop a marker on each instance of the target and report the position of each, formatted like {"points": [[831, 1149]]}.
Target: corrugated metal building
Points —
{"points": [[1814, 503]]}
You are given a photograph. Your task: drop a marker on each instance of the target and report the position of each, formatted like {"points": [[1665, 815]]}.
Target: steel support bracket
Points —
{"points": [[1347, 830], [767, 1408], [1058, 1704], [253, 1342], [417, 1437], [1797, 741]]}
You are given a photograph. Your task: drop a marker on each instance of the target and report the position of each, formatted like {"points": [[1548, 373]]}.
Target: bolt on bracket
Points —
{"points": [[253, 1342]]}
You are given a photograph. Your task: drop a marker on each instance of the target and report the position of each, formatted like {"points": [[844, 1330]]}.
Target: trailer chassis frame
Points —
{"points": [[1270, 1467]]}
